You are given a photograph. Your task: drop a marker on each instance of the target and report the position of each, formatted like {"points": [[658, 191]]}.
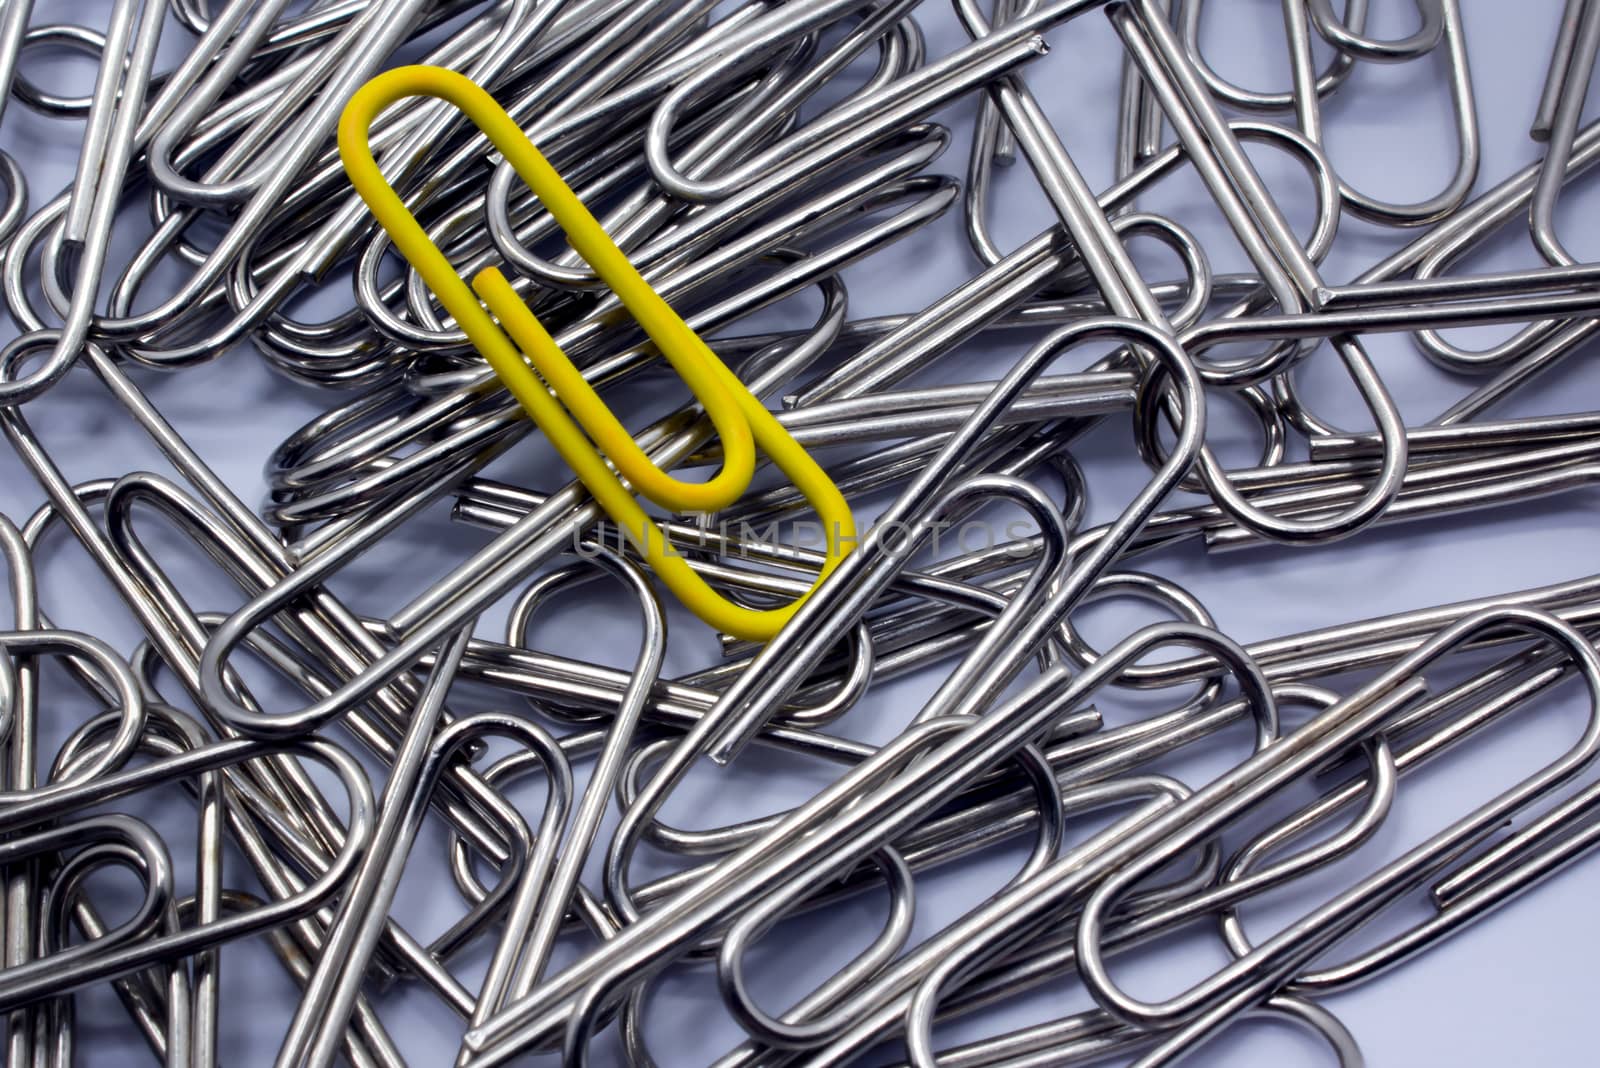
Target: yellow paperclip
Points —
{"points": [[590, 435]]}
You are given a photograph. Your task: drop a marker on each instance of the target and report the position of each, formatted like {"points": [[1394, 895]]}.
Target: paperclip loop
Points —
{"points": [[553, 391]]}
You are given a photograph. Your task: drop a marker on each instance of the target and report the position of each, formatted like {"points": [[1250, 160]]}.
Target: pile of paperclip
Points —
{"points": [[743, 155]]}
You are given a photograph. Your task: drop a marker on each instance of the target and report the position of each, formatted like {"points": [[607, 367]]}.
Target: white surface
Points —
{"points": [[1516, 989]]}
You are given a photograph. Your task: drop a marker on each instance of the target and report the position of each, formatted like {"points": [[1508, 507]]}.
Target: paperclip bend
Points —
{"points": [[553, 391]]}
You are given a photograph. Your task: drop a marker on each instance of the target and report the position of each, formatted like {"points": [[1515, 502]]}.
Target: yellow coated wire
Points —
{"points": [[557, 397]]}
